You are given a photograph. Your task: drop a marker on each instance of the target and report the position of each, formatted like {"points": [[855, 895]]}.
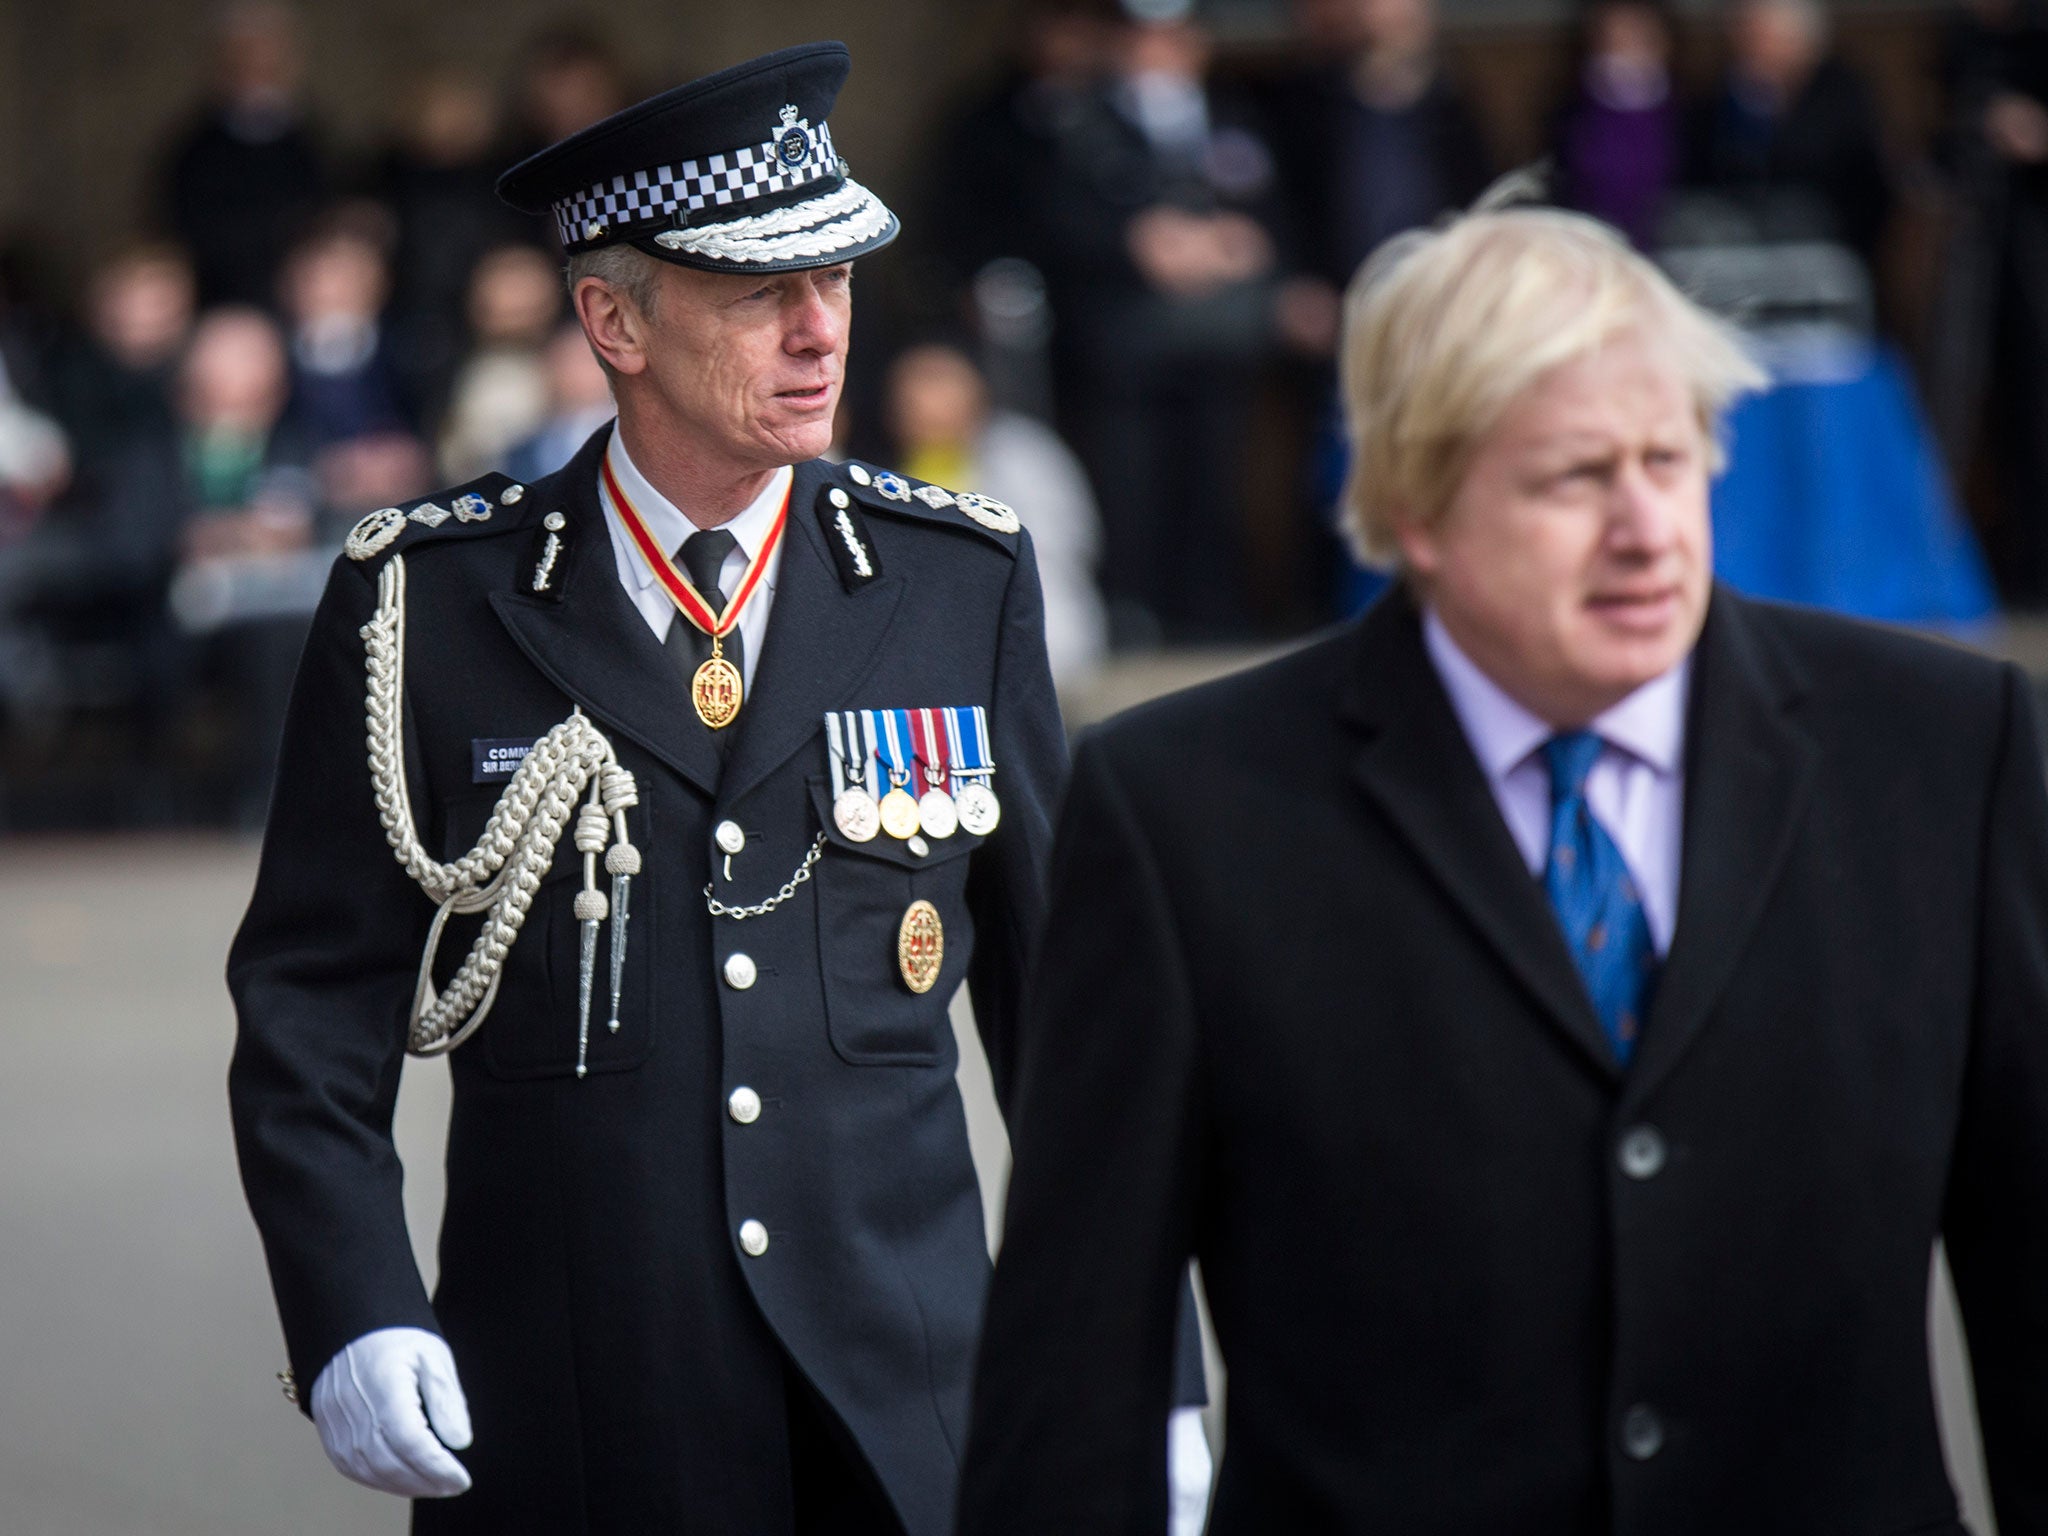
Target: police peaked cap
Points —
{"points": [[735, 172]]}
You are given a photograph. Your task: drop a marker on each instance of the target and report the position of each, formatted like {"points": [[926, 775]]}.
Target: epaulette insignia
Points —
{"points": [[986, 511], [380, 529], [374, 534]]}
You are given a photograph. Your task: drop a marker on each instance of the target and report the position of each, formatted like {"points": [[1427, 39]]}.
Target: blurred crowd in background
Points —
{"points": [[1115, 306]]}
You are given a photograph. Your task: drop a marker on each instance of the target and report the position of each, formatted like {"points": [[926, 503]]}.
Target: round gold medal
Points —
{"points": [[921, 947], [715, 690], [899, 814]]}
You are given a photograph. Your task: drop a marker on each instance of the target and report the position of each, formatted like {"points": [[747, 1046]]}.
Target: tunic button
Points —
{"points": [[839, 498], [744, 1106], [1642, 1432], [753, 1239], [918, 845], [1643, 1153], [859, 475], [730, 838], [739, 972]]}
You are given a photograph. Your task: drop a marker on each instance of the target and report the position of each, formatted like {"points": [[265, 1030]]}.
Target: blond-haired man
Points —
{"points": [[1560, 1011]]}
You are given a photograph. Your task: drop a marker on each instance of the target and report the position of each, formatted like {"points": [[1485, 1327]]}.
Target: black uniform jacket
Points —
{"points": [[1302, 1011], [622, 1355]]}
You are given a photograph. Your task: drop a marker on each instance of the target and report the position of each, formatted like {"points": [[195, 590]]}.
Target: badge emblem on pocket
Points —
{"points": [[921, 947]]}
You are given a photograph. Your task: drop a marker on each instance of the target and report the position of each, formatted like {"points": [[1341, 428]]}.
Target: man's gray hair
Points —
{"points": [[623, 268]]}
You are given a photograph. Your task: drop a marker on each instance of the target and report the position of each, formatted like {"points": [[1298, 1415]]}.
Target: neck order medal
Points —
{"points": [[715, 690]]}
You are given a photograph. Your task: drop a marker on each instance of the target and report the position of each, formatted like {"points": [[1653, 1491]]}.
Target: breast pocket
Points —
{"points": [[533, 1028], [886, 915]]}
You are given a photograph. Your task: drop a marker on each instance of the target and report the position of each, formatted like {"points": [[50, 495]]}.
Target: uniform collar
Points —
{"points": [[1649, 724], [666, 522]]}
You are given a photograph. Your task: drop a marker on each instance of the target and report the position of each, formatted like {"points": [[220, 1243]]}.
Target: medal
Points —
{"points": [[979, 809], [899, 812], [973, 799], [857, 816], [921, 947], [854, 810], [936, 812], [934, 807], [715, 690], [892, 744]]}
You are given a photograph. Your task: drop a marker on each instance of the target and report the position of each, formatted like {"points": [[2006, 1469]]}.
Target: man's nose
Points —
{"points": [[815, 324], [1642, 517]]}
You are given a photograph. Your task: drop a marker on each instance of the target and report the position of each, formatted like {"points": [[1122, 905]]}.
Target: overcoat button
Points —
{"points": [[739, 972], [744, 1106], [730, 838], [753, 1239], [1643, 1152], [1642, 1432]]}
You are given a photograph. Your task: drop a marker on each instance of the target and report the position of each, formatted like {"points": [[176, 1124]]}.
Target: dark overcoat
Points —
{"points": [[1302, 1011], [623, 1357]]}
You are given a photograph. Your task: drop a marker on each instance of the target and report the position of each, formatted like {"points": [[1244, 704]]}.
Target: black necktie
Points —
{"points": [[703, 556]]}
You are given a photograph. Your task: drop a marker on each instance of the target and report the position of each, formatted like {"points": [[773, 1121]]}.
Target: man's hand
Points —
{"points": [[1189, 1468], [381, 1403]]}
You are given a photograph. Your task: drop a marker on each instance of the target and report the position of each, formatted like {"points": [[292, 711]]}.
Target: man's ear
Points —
{"points": [[1418, 544], [614, 324]]}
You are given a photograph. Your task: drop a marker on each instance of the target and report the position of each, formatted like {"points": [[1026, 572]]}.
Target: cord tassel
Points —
{"points": [[501, 876]]}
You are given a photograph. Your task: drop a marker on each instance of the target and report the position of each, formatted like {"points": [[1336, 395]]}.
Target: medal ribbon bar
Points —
{"points": [[835, 730]]}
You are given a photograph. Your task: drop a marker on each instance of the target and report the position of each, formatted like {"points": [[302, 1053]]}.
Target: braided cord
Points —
{"points": [[502, 873]]}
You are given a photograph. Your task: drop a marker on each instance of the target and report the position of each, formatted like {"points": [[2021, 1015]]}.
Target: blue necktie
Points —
{"points": [[1595, 897]]}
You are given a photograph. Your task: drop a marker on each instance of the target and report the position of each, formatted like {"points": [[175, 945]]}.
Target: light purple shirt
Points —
{"points": [[1636, 789]]}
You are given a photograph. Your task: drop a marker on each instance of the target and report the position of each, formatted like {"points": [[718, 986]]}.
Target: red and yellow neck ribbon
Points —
{"points": [[689, 602]]}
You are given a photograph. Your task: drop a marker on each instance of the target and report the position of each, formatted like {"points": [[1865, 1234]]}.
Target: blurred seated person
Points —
{"points": [[501, 390], [579, 402], [946, 431], [247, 172], [1616, 143], [1790, 135], [345, 406], [228, 492], [111, 385]]}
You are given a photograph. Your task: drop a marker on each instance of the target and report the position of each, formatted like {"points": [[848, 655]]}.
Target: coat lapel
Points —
{"points": [[1749, 770], [1419, 768], [593, 644], [821, 642]]}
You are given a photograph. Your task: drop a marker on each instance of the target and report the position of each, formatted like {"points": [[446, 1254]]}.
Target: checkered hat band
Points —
{"points": [[737, 176]]}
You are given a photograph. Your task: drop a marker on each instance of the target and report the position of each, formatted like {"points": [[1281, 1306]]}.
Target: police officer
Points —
{"points": [[680, 789]]}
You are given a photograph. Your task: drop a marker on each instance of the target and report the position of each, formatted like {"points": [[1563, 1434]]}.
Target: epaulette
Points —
{"points": [[887, 491], [490, 504]]}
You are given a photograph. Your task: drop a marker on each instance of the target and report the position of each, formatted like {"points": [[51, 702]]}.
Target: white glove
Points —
{"points": [[1188, 1471], [367, 1405]]}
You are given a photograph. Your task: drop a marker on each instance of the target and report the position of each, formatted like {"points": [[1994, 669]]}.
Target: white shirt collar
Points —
{"points": [[1649, 724], [666, 522]]}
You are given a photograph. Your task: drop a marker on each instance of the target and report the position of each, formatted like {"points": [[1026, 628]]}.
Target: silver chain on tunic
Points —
{"points": [[763, 908]]}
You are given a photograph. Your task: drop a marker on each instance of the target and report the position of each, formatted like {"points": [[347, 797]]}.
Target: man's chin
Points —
{"points": [[797, 435]]}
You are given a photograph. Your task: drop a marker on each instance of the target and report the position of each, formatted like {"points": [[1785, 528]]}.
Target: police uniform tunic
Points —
{"points": [[766, 1167]]}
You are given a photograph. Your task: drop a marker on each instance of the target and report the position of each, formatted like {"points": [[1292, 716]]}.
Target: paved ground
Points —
{"points": [[137, 1339]]}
